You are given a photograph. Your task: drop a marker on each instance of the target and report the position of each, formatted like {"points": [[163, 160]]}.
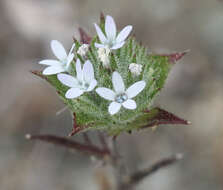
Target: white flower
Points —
{"points": [[120, 96], [103, 54], [83, 82], [135, 69], [63, 62], [83, 49], [111, 40]]}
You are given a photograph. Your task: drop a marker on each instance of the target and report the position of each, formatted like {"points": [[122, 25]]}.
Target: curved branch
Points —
{"points": [[138, 176], [61, 141]]}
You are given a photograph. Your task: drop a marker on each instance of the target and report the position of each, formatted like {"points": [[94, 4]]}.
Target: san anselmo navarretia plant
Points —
{"points": [[108, 82]]}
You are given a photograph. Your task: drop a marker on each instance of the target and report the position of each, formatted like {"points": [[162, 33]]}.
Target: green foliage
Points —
{"points": [[92, 111]]}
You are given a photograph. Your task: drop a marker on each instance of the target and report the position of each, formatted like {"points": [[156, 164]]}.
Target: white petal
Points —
{"points": [[67, 80], [53, 70], [100, 34], [106, 93], [50, 62], [124, 34], [69, 60], [110, 27], [129, 104], [79, 71], [73, 93], [71, 49], [135, 89], [92, 85], [58, 50], [118, 45], [97, 45], [118, 83], [88, 71], [114, 107]]}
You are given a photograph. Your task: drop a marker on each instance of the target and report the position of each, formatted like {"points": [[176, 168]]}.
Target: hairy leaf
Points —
{"points": [[91, 111]]}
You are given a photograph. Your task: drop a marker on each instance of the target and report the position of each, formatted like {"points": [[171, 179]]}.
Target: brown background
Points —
{"points": [[194, 91]]}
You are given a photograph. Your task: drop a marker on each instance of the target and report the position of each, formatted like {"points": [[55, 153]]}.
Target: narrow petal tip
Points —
{"points": [[58, 50], [53, 42], [118, 83], [100, 34], [53, 70], [124, 34], [73, 93], [106, 93], [113, 108], [110, 27]]}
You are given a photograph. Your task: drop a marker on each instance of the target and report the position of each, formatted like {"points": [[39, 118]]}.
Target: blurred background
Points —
{"points": [[193, 91]]}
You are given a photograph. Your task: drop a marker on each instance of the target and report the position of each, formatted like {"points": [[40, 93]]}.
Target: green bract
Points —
{"points": [[91, 111]]}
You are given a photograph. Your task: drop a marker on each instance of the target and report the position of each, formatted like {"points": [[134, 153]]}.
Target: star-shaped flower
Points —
{"points": [[63, 62], [83, 82], [120, 96], [111, 40]]}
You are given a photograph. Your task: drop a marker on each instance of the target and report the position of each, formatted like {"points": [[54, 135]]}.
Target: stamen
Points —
{"points": [[121, 98]]}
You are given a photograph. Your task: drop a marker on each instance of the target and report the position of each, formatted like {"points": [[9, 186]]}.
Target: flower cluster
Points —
{"points": [[85, 81]]}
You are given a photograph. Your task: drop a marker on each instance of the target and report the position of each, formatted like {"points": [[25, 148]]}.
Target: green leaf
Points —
{"points": [[91, 111]]}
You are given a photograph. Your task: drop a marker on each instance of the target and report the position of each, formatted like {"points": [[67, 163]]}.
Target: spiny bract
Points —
{"points": [[91, 110]]}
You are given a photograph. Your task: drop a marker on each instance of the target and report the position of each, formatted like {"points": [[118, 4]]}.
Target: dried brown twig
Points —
{"points": [[86, 138], [123, 181], [65, 142], [138, 176]]}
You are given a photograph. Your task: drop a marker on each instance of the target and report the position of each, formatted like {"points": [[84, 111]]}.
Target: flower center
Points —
{"points": [[86, 85], [110, 43], [121, 98], [64, 61], [65, 65], [83, 85]]}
